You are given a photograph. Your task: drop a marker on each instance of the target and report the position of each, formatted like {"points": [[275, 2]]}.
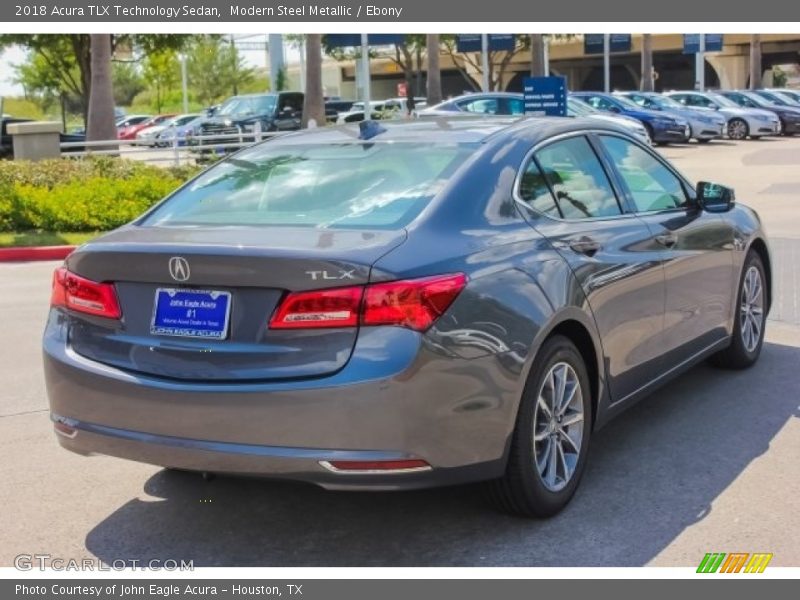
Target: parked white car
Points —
{"points": [[742, 122], [381, 109]]}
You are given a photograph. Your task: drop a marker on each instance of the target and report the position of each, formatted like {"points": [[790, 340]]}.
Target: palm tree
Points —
{"points": [[434, 91], [538, 67], [647, 62], [101, 125], [314, 102], [755, 61]]}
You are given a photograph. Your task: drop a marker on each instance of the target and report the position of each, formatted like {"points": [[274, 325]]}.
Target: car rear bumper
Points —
{"points": [[396, 399]]}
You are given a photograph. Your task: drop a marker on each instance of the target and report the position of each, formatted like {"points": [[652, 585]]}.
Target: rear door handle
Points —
{"points": [[667, 240], [584, 245]]}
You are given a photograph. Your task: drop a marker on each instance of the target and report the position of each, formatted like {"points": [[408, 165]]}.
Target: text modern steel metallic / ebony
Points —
{"points": [[402, 305]]}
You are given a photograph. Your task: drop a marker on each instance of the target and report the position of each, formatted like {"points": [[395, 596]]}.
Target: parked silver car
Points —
{"points": [[742, 122], [705, 125]]}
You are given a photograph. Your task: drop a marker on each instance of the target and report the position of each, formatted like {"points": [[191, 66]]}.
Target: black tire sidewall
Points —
{"points": [[738, 343], [547, 502]]}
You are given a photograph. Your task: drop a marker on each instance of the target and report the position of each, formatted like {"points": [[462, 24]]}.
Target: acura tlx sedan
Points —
{"points": [[402, 305]]}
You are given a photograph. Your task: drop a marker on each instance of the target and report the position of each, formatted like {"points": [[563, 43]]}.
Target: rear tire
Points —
{"points": [[751, 318], [550, 443]]}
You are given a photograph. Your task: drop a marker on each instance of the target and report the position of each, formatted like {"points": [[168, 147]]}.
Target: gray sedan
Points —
{"points": [[402, 305]]}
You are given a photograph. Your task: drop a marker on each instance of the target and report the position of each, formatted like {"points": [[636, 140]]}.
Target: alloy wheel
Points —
{"points": [[737, 129], [558, 426], [751, 311]]}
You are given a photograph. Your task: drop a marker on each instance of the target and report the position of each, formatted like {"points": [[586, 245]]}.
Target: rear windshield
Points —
{"points": [[360, 185]]}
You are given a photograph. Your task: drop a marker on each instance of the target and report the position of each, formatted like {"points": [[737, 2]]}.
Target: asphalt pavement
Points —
{"points": [[707, 464]]}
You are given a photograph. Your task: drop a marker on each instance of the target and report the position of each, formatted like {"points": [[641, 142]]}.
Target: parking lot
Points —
{"points": [[707, 464]]}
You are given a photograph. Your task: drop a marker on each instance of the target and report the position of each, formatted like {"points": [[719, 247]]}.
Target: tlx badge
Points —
{"points": [[328, 275]]}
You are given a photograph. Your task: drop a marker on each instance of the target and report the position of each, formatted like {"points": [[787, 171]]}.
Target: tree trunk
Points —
{"points": [[101, 124], [434, 91], [81, 46], [647, 62], [537, 55], [314, 101], [755, 61]]}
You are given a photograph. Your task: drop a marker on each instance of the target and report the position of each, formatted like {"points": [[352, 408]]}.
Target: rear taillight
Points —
{"points": [[322, 308], [412, 303], [83, 295]]}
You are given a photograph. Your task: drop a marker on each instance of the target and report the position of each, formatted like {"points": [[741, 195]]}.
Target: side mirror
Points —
{"points": [[614, 109], [713, 197]]}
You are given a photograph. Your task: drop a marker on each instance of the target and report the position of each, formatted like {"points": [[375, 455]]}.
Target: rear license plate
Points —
{"points": [[191, 313]]}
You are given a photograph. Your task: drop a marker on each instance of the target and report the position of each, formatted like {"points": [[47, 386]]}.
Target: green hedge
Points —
{"points": [[81, 195]]}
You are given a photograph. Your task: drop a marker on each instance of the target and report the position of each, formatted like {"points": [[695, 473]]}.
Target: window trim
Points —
{"points": [[530, 155], [691, 198]]}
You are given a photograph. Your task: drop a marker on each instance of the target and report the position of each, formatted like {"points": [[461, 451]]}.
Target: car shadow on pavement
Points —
{"points": [[654, 471]]}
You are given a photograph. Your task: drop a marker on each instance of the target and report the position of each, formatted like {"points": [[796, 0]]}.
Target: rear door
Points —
{"points": [[696, 248], [611, 252], [289, 111]]}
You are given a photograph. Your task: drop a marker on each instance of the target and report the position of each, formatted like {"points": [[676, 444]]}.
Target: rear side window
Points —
{"points": [[575, 174], [485, 106], [652, 185], [534, 191], [355, 185]]}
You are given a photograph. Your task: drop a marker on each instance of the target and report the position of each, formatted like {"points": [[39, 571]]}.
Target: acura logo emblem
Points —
{"points": [[179, 268]]}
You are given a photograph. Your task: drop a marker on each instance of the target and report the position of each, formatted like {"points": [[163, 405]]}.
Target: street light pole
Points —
{"points": [[700, 63], [606, 62], [365, 75]]}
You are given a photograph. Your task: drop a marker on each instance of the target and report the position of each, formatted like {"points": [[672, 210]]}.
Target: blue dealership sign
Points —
{"points": [[471, 42], [691, 42], [341, 40], [617, 42], [545, 96]]}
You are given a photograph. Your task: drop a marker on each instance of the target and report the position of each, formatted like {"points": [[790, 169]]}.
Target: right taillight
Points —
{"points": [[83, 295], [411, 303]]}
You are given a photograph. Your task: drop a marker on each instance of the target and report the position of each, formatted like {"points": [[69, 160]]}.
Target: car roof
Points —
{"points": [[450, 130]]}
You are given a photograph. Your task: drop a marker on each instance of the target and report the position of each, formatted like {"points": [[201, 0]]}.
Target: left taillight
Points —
{"points": [[84, 295]]}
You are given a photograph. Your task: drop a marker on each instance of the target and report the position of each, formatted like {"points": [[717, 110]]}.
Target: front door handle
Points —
{"points": [[668, 240], [585, 245]]}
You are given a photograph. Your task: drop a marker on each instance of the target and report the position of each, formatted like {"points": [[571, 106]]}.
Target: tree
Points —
{"points": [[215, 69], [647, 62], [127, 81], [314, 101], [161, 72], [434, 88], [67, 57], [499, 60], [101, 125], [755, 61]]}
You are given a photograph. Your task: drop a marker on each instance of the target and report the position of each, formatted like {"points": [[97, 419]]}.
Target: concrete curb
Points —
{"points": [[30, 253]]}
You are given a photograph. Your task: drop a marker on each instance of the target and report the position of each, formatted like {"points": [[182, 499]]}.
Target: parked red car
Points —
{"points": [[129, 132]]}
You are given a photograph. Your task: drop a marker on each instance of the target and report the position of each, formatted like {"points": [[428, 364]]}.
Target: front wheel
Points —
{"points": [[751, 316], [550, 443], [738, 129]]}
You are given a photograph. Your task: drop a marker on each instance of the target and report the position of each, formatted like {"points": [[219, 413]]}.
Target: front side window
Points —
{"points": [[347, 185], [600, 103], [485, 106], [578, 180], [651, 184]]}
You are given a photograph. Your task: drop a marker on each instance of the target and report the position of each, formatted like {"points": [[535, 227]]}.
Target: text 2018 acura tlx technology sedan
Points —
{"points": [[403, 305]]}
